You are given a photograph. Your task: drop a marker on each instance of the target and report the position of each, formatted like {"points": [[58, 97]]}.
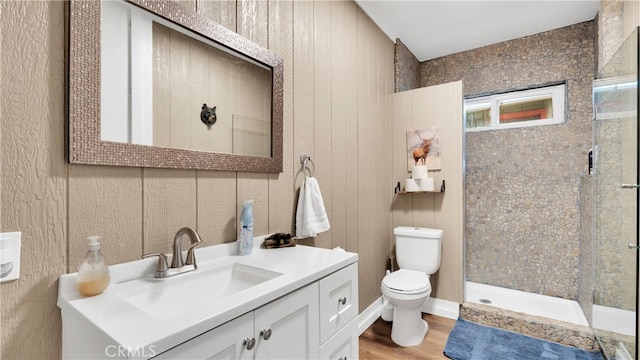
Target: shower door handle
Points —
{"points": [[629, 186], [633, 246]]}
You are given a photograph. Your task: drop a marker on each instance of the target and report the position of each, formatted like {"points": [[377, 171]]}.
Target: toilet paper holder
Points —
{"points": [[398, 189]]}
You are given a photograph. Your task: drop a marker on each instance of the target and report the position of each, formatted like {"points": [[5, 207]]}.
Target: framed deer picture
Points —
{"points": [[423, 148]]}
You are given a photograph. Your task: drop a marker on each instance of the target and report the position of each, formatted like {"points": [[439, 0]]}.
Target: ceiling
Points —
{"points": [[435, 28]]}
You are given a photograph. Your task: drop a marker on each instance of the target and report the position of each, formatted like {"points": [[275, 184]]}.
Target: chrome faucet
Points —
{"points": [[178, 264]]}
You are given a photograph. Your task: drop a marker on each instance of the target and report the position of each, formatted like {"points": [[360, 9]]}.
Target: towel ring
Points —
{"points": [[303, 160]]}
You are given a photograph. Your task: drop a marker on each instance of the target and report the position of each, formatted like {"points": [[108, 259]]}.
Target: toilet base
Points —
{"points": [[408, 328]]}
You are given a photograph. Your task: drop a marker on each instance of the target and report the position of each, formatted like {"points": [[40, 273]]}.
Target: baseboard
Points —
{"points": [[445, 308], [369, 315], [438, 307]]}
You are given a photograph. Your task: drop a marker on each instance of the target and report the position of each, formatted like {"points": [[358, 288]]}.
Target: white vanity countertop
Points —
{"points": [[130, 326]]}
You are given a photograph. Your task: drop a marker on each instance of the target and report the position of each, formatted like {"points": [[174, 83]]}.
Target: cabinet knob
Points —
{"points": [[342, 300], [265, 333], [249, 343]]}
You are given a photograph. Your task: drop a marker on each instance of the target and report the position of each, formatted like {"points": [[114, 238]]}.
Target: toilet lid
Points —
{"points": [[407, 281]]}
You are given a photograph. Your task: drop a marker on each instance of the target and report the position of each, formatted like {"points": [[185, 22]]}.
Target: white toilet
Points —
{"points": [[418, 253]]}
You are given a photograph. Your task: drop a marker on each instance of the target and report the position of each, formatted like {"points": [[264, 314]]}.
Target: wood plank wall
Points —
{"points": [[440, 106], [338, 77]]}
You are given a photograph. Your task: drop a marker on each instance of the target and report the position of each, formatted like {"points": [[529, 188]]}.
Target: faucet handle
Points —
{"points": [[162, 266], [191, 255]]}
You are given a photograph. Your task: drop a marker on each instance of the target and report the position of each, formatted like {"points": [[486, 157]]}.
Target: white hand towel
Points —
{"points": [[311, 216]]}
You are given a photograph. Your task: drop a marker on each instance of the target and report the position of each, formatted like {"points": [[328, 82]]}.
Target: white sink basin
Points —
{"points": [[165, 298]]}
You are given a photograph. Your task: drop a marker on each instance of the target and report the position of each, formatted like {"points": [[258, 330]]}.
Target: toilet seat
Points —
{"points": [[407, 282]]}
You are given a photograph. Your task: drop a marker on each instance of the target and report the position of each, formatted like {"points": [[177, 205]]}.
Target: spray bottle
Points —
{"points": [[245, 241]]}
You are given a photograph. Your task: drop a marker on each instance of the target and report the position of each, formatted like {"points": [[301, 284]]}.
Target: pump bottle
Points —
{"points": [[93, 274]]}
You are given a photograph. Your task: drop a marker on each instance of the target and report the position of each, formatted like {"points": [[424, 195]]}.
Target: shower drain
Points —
{"points": [[485, 301]]}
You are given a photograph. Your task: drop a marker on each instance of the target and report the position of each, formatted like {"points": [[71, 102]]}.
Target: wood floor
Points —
{"points": [[375, 342]]}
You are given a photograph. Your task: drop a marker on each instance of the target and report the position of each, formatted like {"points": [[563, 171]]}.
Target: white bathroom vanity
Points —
{"points": [[292, 303]]}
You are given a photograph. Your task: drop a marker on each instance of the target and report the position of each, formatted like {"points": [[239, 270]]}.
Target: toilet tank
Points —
{"points": [[418, 248]]}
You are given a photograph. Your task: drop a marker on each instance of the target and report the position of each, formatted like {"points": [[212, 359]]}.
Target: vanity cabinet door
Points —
{"points": [[288, 327], [223, 342]]}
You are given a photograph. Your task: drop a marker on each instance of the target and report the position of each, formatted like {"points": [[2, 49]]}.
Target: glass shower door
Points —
{"points": [[615, 203]]}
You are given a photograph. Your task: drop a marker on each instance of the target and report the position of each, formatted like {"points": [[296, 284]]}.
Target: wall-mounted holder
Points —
{"points": [[303, 161], [398, 190], [10, 256]]}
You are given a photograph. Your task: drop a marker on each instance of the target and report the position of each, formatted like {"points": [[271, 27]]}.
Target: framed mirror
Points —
{"points": [[153, 84]]}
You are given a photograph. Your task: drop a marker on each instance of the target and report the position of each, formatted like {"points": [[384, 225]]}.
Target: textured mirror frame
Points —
{"points": [[84, 141]]}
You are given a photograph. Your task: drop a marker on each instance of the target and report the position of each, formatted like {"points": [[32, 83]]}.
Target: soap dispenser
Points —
{"points": [[93, 275], [245, 241]]}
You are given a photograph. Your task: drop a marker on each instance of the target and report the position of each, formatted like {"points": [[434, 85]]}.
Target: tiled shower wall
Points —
{"points": [[522, 185], [611, 28], [407, 68]]}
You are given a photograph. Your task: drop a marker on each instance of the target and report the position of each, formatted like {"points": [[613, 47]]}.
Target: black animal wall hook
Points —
{"points": [[208, 115]]}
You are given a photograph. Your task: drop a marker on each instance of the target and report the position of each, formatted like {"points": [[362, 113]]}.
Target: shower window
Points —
{"points": [[542, 106], [478, 115]]}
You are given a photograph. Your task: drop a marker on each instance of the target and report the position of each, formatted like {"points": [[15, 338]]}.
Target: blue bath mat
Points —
{"points": [[471, 341]]}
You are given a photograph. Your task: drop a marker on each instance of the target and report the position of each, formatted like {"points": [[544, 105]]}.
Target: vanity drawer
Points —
{"points": [[338, 300], [343, 345]]}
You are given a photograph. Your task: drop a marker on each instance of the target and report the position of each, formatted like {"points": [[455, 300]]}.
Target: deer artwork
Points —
{"points": [[421, 152]]}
